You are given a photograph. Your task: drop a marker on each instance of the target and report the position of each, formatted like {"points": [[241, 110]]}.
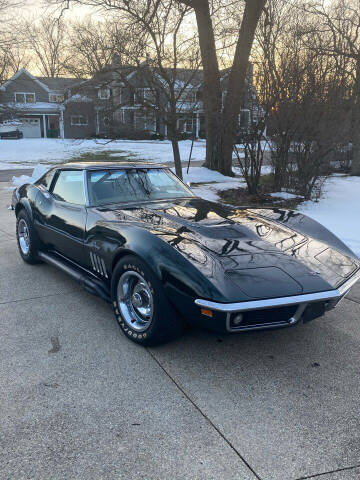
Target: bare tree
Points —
{"points": [[12, 49], [304, 95], [93, 45], [159, 44], [337, 35], [46, 41], [221, 117], [168, 48]]}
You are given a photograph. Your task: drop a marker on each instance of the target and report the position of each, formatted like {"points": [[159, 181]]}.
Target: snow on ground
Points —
{"points": [[265, 170], [213, 182], [161, 151], [339, 209], [16, 166], [284, 195], [203, 175], [29, 151]]}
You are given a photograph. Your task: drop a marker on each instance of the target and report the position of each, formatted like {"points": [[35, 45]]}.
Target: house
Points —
{"points": [[37, 102], [133, 101], [122, 102]]}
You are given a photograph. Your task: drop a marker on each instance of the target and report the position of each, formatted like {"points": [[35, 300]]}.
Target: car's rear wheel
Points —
{"points": [[26, 238], [141, 307]]}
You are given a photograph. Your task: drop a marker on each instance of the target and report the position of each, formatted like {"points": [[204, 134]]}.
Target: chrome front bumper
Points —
{"points": [[331, 297]]}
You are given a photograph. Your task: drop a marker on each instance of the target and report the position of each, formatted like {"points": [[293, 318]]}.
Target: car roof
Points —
{"points": [[107, 165]]}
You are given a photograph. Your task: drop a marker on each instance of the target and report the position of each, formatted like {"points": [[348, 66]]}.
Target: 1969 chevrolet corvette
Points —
{"points": [[135, 235]]}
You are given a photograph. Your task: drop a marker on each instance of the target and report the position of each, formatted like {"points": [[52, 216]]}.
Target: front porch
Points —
{"points": [[40, 121]]}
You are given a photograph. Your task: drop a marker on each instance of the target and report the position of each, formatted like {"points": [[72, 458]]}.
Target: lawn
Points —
{"points": [[29, 151]]}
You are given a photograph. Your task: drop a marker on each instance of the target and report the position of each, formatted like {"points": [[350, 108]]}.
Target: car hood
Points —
{"points": [[263, 252]]}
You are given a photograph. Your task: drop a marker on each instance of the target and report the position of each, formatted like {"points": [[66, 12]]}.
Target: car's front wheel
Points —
{"points": [[141, 307], [26, 238]]}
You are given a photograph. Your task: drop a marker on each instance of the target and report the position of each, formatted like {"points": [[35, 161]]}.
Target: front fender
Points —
{"points": [[25, 197], [173, 261]]}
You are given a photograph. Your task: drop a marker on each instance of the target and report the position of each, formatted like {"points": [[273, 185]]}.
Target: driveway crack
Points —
{"points": [[319, 475], [39, 296], [203, 414], [352, 300]]}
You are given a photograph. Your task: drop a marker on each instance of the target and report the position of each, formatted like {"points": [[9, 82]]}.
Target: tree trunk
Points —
{"points": [[212, 97], [177, 159], [236, 80], [173, 135]]}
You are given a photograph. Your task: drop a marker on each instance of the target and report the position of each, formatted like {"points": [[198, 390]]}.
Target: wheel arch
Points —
{"points": [[18, 207], [123, 253], [169, 266], [23, 204]]}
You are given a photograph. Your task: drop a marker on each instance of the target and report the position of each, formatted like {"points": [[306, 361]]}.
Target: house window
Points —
{"points": [[144, 95], [187, 124], [188, 95], [79, 120], [106, 121], [244, 118], [144, 121], [139, 121], [121, 95], [21, 97], [56, 98], [104, 93]]}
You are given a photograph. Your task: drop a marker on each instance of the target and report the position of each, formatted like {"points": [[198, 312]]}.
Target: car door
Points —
{"points": [[61, 214]]}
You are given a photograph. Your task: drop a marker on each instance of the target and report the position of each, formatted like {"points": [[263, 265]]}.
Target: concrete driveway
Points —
{"points": [[80, 401]]}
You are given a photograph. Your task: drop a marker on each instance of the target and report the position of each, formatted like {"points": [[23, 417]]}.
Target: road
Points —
{"points": [[80, 401], [6, 175]]}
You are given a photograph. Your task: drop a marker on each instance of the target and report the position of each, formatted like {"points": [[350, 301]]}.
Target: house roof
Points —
{"points": [[25, 72], [47, 83], [35, 107], [59, 83]]}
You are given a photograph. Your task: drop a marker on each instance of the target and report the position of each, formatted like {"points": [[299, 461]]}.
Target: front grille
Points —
{"points": [[265, 317]]}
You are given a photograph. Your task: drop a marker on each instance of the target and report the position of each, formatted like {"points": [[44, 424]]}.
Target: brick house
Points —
{"points": [[126, 102]]}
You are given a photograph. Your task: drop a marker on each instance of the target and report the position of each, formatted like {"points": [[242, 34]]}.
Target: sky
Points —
{"points": [[32, 6]]}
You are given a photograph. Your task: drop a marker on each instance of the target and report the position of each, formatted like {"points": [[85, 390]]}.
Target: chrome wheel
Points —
{"points": [[24, 237], [135, 300]]}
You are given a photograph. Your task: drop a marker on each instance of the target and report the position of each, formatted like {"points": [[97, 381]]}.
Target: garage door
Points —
{"points": [[30, 127]]}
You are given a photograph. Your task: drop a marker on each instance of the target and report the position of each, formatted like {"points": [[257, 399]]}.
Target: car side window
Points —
{"points": [[69, 187], [46, 179]]}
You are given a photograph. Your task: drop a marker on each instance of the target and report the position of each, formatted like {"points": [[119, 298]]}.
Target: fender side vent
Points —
{"points": [[98, 264]]}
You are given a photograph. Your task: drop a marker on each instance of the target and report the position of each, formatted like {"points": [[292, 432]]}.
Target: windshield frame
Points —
{"points": [[168, 171]]}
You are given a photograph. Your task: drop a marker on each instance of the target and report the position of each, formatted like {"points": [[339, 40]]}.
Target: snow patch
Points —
{"points": [[78, 98], [209, 190], [339, 209], [161, 150], [284, 195], [38, 172], [204, 175]]}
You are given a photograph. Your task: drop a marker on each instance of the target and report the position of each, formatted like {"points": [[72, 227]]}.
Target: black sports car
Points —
{"points": [[135, 235], [12, 134]]}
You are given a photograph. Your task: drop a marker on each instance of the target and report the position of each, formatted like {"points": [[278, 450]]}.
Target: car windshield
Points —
{"points": [[134, 185]]}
